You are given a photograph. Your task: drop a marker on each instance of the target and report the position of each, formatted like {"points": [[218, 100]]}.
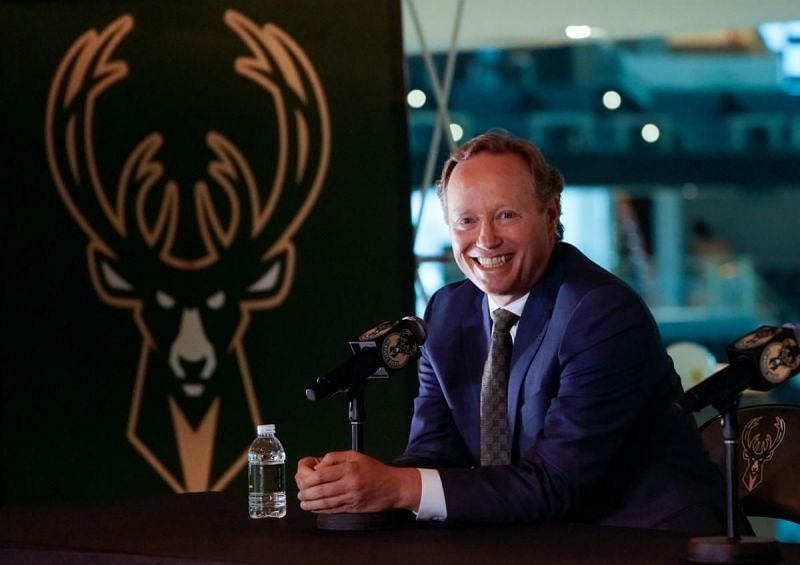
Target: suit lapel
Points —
{"points": [[531, 331], [475, 332]]}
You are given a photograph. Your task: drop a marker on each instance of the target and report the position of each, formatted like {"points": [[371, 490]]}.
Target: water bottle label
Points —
{"points": [[275, 478], [267, 478]]}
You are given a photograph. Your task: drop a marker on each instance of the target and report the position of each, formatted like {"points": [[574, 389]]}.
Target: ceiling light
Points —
{"points": [[456, 131], [578, 31], [416, 98], [650, 133], [611, 99]]}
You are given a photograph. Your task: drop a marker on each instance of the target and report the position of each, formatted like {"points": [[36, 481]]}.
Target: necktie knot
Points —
{"points": [[503, 320]]}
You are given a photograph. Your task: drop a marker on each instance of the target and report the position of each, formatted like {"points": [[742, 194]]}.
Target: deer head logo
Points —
{"points": [[757, 451], [192, 312]]}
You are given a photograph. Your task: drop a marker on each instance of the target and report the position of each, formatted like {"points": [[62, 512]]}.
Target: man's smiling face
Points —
{"points": [[502, 235]]}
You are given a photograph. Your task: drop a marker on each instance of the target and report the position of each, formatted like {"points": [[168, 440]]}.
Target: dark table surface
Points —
{"points": [[215, 528]]}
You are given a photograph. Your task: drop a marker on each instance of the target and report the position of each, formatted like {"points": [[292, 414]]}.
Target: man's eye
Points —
{"points": [[216, 300], [507, 215], [164, 300]]}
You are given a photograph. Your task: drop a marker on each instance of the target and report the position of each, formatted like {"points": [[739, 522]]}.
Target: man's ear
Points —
{"points": [[553, 211]]}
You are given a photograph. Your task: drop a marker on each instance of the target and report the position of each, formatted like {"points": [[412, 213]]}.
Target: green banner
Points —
{"points": [[204, 202]]}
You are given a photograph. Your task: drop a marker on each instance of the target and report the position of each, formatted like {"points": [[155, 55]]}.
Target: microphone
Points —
{"points": [[378, 352], [760, 360]]}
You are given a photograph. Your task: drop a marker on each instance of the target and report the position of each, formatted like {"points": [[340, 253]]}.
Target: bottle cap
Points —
{"points": [[265, 428]]}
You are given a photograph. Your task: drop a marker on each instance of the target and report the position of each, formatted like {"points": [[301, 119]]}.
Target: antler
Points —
{"points": [[83, 75], [280, 66], [747, 442], [780, 426], [758, 446], [277, 64], [233, 175]]}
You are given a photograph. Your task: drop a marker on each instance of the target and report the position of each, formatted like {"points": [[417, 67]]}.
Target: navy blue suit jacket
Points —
{"points": [[590, 401]]}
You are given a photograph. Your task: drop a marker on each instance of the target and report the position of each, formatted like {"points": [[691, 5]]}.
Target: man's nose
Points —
{"points": [[488, 238]]}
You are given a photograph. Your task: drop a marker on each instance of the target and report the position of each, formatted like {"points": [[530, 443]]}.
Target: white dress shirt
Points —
{"points": [[432, 505]]}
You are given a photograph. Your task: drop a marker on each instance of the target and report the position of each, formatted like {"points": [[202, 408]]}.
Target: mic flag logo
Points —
{"points": [[780, 360], [398, 348], [759, 451], [192, 312]]}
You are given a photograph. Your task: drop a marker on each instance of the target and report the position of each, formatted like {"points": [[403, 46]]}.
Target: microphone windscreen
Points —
{"points": [[418, 328]]}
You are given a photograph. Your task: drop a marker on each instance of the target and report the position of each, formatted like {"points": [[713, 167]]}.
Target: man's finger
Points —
{"points": [[309, 462], [327, 505], [336, 457], [323, 475], [305, 468], [325, 482]]}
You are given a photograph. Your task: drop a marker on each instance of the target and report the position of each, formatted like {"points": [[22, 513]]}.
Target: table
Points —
{"points": [[215, 528]]}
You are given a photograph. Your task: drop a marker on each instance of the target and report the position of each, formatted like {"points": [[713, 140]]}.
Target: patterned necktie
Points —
{"points": [[495, 438]]}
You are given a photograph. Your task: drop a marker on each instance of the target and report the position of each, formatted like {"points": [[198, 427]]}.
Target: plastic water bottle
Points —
{"points": [[266, 475]]}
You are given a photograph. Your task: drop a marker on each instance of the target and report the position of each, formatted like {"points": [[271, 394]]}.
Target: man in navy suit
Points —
{"points": [[592, 430]]}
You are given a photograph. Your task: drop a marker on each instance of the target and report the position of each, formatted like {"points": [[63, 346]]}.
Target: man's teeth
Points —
{"points": [[493, 261]]}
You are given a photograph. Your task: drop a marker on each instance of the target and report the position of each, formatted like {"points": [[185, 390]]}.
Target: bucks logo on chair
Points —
{"points": [[191, 261]]}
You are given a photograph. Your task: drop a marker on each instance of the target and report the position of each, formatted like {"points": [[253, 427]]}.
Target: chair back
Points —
{"points": [[768, 459]]}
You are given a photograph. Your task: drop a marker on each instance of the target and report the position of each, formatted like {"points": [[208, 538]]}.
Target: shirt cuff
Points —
{"points": [[432, 505]]}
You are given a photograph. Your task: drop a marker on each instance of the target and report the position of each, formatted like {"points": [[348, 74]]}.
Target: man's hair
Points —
{"points": [[547, 181]]}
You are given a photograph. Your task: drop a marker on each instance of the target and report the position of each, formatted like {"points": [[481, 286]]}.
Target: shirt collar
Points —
{"points": [[515, 306]]}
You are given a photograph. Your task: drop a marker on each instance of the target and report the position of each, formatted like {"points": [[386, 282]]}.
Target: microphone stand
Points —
{"points": [[364, 520], [732, 548], [358, 415]]}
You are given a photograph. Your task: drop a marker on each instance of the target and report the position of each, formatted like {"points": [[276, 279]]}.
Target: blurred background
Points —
{"points": [[677, 128]]}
